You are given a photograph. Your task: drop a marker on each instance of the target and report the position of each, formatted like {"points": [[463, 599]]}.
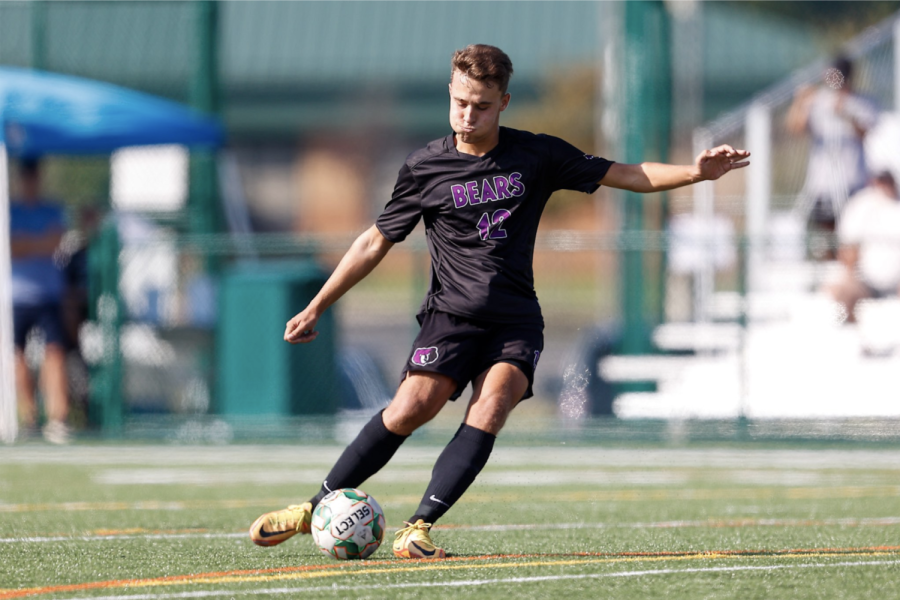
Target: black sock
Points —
{"points": [[365, 456], [455, 470]]}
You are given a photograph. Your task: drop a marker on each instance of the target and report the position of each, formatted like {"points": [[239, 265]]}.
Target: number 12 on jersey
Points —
{"points": [[491, 227]]}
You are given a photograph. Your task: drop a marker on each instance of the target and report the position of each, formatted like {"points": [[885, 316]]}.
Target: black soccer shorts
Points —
{"points": [[47, 317], [463, 348]]}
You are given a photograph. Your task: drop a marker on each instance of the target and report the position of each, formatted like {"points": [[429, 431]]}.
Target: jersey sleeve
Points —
{"points": [[403, 211], [572, 169]]}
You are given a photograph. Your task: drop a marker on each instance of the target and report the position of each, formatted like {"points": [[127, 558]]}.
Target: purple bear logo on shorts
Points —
{"points": [[424, 356]]}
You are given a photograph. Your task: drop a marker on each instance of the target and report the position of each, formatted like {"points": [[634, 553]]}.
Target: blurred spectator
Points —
{"points": [[36, 229], [73, 261], [74, 266], [869, 238], [837, 120]]}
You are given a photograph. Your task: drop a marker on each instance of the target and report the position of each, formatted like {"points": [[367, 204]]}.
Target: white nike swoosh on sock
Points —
{"points": [[439, 501]]}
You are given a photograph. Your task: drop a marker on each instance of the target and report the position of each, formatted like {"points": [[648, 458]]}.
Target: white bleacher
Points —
{"points": [[805, 363], [797, 357]]}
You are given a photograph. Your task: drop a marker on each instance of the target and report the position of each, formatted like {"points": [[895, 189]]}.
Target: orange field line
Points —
{"points": [[366, 565]]}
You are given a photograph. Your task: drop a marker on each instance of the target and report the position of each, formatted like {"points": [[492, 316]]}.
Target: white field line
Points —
{"points": [[621, 495], [508, 478], [547, 456], [726, 523], [480, 582], [515, 477]]}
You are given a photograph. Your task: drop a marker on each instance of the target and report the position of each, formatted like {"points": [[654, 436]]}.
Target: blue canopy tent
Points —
{"points": [[46, 113]]}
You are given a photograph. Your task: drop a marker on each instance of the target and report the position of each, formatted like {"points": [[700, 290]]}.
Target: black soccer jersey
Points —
{"points": [[481, 218]]}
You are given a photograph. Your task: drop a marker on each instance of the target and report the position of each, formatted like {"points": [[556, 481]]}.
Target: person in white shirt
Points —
{"points": [[837, 120], [869, 245]]}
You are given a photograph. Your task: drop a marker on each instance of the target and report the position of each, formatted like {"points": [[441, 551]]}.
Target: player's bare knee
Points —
{"points": [[489, 412], [413, 406], [405, 417]]}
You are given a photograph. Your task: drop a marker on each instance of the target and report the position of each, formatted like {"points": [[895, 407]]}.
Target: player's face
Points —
{"points": [[475, 110]]}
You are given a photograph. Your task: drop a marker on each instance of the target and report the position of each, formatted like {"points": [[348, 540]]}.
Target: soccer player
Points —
{"points": [[480, 191]]}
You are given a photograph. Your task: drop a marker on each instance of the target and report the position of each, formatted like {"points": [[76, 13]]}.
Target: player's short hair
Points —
{"points": [[885, 177], [29, 166], [487, 64], [843, 64]]}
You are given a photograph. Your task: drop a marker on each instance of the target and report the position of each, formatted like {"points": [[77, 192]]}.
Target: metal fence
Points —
{"points": [[149, 350], [765, 201], [739, 285], [764, 339], [170, 310], [761, 356]]}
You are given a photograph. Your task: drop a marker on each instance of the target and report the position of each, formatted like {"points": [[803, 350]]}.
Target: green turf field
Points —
{"points": [[718, 521]]}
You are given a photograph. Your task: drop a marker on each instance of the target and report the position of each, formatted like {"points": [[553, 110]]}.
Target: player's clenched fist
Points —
{"points": [[301, 328]]}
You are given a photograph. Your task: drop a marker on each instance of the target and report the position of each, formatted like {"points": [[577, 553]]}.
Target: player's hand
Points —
{"points": [[712, 164], [301, 328]]}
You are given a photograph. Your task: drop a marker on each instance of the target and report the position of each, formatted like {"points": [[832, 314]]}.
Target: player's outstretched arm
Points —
{"points": [[363, 256], [657, 177]]}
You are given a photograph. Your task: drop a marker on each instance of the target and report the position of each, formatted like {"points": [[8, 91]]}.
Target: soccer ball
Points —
{"points": [[348, 524]]}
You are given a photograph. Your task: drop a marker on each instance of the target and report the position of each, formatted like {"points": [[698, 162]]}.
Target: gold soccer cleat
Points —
{"points": [[414, 541], [275, 527]]}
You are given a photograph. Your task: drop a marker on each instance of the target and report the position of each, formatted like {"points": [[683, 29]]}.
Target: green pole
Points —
{"points": [[39, 35], [107, 310], [663, 110], [645, 119], [633, 114], [204, 212], [204, 215]]}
